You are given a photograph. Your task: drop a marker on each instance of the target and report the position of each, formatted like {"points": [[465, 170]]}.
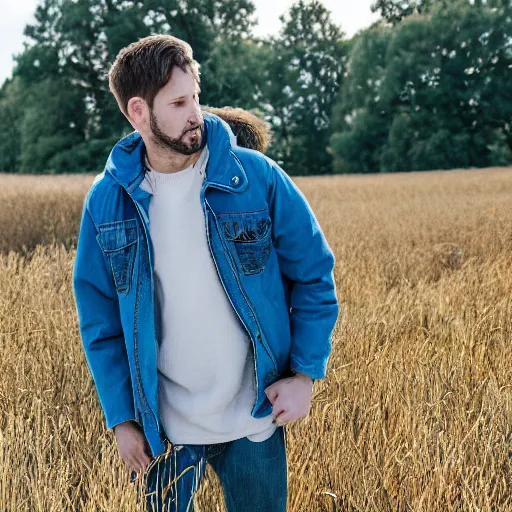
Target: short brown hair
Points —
{"points": [[142, 68]]}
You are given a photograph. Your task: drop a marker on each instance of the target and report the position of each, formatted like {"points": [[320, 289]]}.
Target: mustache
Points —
{"points": [[194, 128]]}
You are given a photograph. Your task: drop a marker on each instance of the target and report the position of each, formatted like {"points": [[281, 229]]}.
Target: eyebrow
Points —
{"points": [[198, 91]]}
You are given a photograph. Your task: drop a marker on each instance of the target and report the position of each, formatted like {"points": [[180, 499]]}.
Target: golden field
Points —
{"points": [[415, 413]]}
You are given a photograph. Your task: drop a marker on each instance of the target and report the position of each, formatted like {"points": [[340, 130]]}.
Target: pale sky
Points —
{"points": [[351, 15]]}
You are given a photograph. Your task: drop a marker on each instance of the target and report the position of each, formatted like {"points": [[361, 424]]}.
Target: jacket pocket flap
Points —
{"points": [[245, 226], [113, 236]]}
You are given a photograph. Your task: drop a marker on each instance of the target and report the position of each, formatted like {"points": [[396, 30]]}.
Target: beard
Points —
{"points": [[166, 142]]}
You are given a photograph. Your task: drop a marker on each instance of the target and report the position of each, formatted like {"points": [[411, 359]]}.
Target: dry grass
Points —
{"points": [[40, 210], [415, 414]]}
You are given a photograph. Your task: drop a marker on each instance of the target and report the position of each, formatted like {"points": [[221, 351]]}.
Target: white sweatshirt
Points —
{"points": [[206, 376]]}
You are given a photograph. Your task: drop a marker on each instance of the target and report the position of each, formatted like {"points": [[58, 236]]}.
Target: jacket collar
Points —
{"points": [[223, 170]]}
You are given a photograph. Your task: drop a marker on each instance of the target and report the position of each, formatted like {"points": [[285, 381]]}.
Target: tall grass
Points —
{"points": [[40, 210], [415, 413]]}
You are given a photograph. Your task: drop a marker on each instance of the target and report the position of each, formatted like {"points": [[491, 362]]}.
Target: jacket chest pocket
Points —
{"points": [[118, 240], [250, 234]]}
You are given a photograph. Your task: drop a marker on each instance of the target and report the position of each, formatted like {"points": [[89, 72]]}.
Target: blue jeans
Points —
{"points": [[253, 475]]}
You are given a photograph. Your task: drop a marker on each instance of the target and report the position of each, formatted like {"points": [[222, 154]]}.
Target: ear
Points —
{"points": [[137, 111], [130, 121]]}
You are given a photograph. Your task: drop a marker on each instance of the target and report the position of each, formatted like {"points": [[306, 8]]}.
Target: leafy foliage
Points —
{"points": [[301, 84], [425, 87], [438, 98]]}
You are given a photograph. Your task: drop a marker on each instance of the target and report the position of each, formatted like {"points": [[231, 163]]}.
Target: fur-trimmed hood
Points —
{"points": [[250, 131]]}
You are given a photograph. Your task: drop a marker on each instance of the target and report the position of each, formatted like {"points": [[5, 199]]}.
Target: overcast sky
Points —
{"points": [[349, 14]]}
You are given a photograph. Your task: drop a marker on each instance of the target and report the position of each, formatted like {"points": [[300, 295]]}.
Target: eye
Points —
{"points": [[179, 103]]}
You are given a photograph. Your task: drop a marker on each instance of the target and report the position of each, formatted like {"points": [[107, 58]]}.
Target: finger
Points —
{"points": [[142, 461], [133, 476], [283, 418], [277, 410], [139, 457], [131, 464]]}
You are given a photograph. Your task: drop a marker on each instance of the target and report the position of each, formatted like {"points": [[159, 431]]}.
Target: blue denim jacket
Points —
{"points": [[270, 253]]}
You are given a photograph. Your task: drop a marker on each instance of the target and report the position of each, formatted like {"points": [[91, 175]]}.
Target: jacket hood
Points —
{"points": [[251, 131], [224, 170]]}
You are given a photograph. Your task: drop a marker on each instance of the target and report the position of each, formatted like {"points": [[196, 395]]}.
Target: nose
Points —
{"points": [[196, 117]]}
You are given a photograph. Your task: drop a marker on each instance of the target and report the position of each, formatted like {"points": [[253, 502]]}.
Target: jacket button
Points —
{"points": [[235, 179]]}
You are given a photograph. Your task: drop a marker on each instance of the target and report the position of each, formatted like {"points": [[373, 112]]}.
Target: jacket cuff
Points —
{"points": [[295, 372], [314, 371], [113, 423]]}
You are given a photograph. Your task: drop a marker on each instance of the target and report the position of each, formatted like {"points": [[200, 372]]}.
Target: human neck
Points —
{"points": [[169, 161]]}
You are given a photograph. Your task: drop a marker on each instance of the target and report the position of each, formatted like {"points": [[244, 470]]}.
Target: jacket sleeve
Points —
{"points": [[306, 259], [100, 326]]}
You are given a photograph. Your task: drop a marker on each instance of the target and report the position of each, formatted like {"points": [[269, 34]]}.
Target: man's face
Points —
{"points": [[176, 120]]}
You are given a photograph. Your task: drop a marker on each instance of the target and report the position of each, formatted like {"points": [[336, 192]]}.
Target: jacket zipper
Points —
{"points": [[267, 349], [226, 251], [264, 343], [137, 367], [225, 289], [139, 379]]}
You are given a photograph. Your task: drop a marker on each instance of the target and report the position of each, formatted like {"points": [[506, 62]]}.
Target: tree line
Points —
{"points": [[427, 86]]}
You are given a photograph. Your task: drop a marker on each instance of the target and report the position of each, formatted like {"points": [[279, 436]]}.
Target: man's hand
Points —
{"points": [[132, 445], [290, 398]]}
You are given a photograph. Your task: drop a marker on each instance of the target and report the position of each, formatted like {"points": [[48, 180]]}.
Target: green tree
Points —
{"points": [[441, 90], [232, 74], [11, 106], [68, 52], [361, 120], [61, 127], [395, 11], [300, 86]]}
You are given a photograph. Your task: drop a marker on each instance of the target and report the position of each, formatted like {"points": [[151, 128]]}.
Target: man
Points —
{"points": [[204, 289]]}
